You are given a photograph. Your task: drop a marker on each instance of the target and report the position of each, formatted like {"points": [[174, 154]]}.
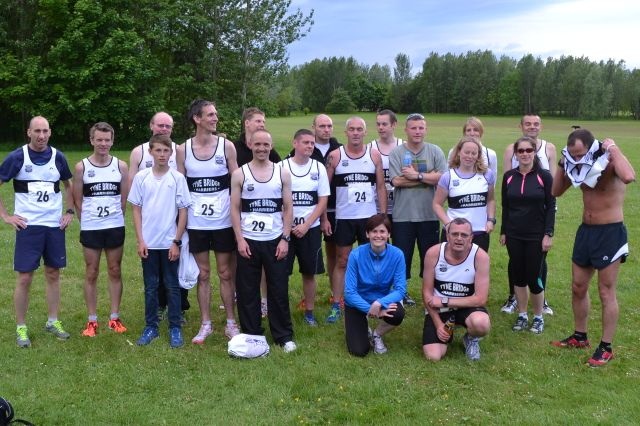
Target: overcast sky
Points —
{"points": [[377, 30]]}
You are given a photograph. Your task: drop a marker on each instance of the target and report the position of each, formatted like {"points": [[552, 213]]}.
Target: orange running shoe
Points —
{"points": [[91, 330], [117, 326], [302, 305]]}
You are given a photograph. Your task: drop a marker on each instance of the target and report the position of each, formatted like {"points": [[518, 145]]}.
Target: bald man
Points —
{"points": [[37, 170]]}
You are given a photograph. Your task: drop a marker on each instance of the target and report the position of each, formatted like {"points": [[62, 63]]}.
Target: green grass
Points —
{"points": [[520, 379]]}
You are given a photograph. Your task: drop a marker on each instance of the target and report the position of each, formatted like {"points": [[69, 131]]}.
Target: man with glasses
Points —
{"points": [[455, 292], [415, 169], [531, 126], [161, 124]]}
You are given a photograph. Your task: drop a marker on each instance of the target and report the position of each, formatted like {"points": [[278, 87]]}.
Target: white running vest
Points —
{"points": [[304, 190], [387, 178], [37, 191], [455, 280], [468, 199], [355, 180], [261, 206], [101, 196], [209, 183]]}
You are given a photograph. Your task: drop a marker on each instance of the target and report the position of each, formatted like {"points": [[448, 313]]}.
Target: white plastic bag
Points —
{"points": [[188, 268], [248, 346]]}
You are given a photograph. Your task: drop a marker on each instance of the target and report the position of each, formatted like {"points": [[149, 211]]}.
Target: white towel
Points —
{"points": [[589, 168]]}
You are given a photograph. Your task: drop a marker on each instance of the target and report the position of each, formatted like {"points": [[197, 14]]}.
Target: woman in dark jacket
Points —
{"points": [[528, 218]]}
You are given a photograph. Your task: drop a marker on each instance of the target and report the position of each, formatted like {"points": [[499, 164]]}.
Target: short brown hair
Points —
{"points": [[377, 220], [101, 126], [160, 139]]}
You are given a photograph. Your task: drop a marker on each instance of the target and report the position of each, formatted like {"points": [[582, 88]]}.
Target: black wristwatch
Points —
{"points": [[178, 243], [492, 220], [420, 177], [445, 301], [286, 238], [71, 211]]}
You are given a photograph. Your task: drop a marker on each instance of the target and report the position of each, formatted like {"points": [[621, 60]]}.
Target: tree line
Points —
{"points": [[475, 83], [82, 61]]}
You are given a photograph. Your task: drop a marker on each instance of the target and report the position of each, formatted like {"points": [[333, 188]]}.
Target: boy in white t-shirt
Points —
{"points": [[158, 195]]}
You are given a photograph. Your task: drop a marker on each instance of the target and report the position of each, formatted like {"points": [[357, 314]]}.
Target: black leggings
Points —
{"points": [[357, 328], [525, 264]]}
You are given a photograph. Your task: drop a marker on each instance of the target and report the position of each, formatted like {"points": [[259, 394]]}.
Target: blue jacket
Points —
{"points": [[370, 277]]}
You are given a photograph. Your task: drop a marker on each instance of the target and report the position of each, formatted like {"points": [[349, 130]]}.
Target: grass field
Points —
{"points": [[520, 379]]}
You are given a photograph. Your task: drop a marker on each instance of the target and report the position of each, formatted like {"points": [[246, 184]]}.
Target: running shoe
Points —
{"points": [[175, 337], [205, 331], [331, 302], [91, 329], [147, 336], [378, 344], [22, 337], [310, 320], [521, 324], [537, 327], [509, 305], [471, 347], [408, 301], [57, 330], [334, 315], [600, 357], [117, 325], [289, 347], [302, 305], [231, 330], [571, 342], [546, 309]]}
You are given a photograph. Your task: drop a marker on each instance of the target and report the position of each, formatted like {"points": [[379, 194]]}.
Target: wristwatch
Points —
{"points": [[492, 220], [420, 177], [549, 234], [445, 301], [71, 211], [286, 238], [178, 243]]}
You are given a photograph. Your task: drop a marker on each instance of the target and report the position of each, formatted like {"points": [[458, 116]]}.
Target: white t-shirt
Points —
{"points": [[160, 198]]}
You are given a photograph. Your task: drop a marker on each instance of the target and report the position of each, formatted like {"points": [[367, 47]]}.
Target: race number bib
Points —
{"points": [[41, 193], [101, 208], [208, 207], [389, 191], [255, 222], [360, 193]]}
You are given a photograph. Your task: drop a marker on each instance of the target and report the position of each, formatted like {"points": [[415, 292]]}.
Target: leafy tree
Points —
{"points": [[596, 99], [340, 103]]}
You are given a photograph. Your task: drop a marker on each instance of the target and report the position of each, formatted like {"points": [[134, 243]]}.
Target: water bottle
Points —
{"points": [[450, 325], [408, 159]]}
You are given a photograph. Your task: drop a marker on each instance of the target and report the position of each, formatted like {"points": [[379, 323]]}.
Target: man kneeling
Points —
{"points": [[455, 290]]}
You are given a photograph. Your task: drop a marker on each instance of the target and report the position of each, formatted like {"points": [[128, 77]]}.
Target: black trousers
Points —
{"points": [[248, 275]]}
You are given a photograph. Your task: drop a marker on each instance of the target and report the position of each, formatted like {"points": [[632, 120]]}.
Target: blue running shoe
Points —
{"points": [[148, 334]]}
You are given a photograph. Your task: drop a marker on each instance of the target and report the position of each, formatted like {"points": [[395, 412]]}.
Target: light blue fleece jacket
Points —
{"points": [[370, 277]]}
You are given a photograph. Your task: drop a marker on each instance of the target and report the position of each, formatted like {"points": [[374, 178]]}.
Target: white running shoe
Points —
{"points": [[205, 331], [231, 330], [289, 347]]}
